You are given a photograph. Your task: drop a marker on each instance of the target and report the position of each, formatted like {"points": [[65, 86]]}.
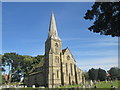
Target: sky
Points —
{"points": [[25, 28]]}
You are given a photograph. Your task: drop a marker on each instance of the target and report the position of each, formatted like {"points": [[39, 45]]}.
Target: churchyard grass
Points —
{"points": [[102, 84]]}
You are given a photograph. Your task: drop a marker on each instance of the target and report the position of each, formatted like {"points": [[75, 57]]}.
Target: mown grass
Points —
{"points": [[107, 84], [101, 84]]}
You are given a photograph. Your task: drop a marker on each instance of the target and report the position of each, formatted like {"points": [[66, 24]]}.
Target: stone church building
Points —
{"points": [[58, 66]]}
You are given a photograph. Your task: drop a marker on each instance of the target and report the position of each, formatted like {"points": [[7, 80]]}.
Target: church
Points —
{"points": [[58, 66]]}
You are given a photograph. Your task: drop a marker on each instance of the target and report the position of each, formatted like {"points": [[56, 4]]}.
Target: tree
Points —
{"points": [[101, 74], [114, 74], [118, 73], [86, 75], [93, 74], [38, 58], [19, 66], [3, 80], [27, 64], [13, 61], [106, 17]]}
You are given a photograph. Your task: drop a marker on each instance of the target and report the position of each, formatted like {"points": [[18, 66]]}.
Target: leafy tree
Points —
{"points": [[93, 74], [101, 74], [106, 16], [12, 60], [3, 80], [19, 66], [118, 73], [27, 64], [114, 74], [86, 75], [38, 58]]}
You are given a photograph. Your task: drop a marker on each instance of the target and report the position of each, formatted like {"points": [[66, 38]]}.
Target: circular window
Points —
{"points": [[56, 44], [68, 57]]}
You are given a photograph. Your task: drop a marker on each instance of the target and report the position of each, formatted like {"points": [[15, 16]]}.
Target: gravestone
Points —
{"points": [[33, 86], [106, 81], [91, 83], [7, 86], [83, 86], [88, 86]]}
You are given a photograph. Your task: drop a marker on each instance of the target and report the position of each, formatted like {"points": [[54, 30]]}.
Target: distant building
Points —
{"points": [[58, 67]]}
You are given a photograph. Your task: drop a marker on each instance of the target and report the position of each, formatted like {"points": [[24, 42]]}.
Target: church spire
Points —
{"points": [[53, 29]]}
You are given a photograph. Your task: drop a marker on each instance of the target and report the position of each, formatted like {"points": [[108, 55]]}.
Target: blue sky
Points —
{"points": [[25, 28]]}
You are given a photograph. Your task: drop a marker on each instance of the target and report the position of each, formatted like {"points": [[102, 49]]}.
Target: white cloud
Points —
{"points": [[107, 39], [105, 63], [96, 53], [103, 66], [92, 42]]}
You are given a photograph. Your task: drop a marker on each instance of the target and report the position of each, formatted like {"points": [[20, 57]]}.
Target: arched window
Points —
{"points": [[57, 59], [66, 69], [56, 47], [57, 73], [71, 69], [56, 44]]}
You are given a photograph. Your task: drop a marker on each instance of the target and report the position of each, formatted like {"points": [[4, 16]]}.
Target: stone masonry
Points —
{"points": [[58, 67]]}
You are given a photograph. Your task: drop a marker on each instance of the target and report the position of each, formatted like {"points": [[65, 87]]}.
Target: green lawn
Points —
{"points": [[101, 84], [107, 84]]}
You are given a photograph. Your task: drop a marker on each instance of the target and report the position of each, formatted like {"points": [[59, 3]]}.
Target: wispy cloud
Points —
{"points": [[93, 42], [103, 66], [108, 39], [105, 63], [96, 53]]}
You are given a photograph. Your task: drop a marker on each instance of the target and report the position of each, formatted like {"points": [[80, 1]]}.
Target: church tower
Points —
{"points": [[53, 50]]}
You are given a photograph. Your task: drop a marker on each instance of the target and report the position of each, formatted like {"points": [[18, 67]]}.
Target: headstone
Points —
{"points": [[91, 83], [0, 87], [83, 86], [33, 86], [25, 86], [88, 86], [106, 81], [7, 86], [42, 87], [95, 82], [111, 82]]}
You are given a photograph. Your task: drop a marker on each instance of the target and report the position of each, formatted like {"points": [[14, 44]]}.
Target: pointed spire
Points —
{"points": [[53, 29]]}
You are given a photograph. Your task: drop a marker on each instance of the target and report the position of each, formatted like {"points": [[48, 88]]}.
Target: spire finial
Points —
{"points": [[53, 29]]}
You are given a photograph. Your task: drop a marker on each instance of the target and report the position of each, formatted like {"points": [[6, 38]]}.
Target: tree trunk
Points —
{"points": [[9, 76]]}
